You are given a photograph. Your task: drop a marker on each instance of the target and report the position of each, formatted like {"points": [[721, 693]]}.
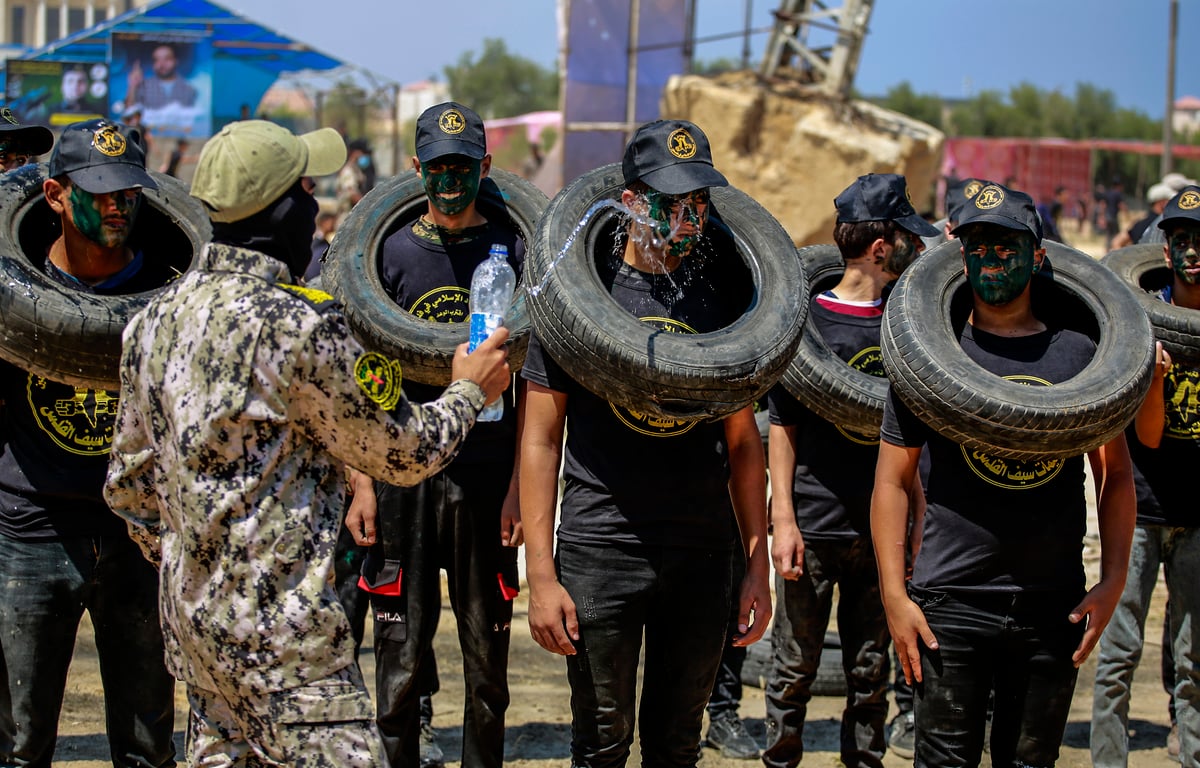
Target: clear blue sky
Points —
{"points": [[947, 47]]}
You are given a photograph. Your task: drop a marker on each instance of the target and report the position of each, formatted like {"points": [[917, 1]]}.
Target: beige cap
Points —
{"points": [[1177, 181], [251, 163], [1159, 192]]}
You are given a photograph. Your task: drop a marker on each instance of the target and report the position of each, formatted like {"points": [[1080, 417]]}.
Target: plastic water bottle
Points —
{"points": [[492, 288]]}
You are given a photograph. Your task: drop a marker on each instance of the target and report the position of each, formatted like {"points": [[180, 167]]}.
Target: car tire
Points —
{"points": [[351, 273], [947, 390], [1144, 270], [72, 336], [631, 363], [817, 377]]}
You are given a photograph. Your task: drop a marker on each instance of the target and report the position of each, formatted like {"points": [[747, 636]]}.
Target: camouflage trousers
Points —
{"points": [[326, 723]]}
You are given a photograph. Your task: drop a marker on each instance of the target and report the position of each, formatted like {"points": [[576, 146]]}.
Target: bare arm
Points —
{"points": [[1116, 513], [895, 478], [1152, 415], [748, 489], [552, 618], [787, 543], [512, 532]]}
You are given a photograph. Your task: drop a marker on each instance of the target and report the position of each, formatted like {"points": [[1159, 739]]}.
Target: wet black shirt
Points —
{"points": [[992, 524]]}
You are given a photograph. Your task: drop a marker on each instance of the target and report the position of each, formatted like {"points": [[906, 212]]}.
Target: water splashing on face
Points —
{"points": [[645, 232]]}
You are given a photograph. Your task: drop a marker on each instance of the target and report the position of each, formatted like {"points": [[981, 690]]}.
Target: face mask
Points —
{"points": [[451, 183], [680, 219], [105, 219], [1183, 248], [1000, 262]]}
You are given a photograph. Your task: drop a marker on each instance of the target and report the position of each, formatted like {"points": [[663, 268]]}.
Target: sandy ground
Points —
{"points": [[539, 719], [538, 734]]}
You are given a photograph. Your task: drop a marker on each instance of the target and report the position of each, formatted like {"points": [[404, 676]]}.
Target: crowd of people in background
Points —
{"points": [[275, 484]]}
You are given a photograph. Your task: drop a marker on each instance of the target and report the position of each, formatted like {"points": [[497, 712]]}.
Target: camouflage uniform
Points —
{"points": [[241, 399]]}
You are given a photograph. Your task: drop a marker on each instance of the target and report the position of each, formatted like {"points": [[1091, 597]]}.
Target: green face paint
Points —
{"points": [[680, 218], [904, 253], [105, 219], [451, 182], [1183, 246], [1000, 262]]}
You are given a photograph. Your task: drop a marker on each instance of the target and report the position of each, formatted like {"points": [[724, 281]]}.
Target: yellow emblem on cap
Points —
{"points": [[379, 377], [452, 121], [989, 197], [109, 141], [681, 144], [1189, 201], [7, 115], [972, 189]]}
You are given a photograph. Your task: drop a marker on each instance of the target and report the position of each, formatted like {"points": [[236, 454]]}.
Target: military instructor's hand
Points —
{"points": [[487, 366]]}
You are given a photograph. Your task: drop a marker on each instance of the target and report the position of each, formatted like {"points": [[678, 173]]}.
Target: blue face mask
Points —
{"points": [[364, 161]]}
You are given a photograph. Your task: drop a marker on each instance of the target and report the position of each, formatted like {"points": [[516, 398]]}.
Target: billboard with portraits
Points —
{"points": [[56, 93], [168, 76]]}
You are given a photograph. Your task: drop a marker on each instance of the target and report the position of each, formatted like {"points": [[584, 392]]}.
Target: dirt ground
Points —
{"points": [[538, 734]]}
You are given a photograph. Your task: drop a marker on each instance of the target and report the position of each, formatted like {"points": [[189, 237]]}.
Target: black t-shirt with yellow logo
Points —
{"points": [[55, 438], [993, 524], [432, 279], [632, 478], [835, 466], [1163, 475]]}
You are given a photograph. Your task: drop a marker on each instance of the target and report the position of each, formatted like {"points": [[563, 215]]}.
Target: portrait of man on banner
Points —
{"points": [[169, 77], [56, 93]]}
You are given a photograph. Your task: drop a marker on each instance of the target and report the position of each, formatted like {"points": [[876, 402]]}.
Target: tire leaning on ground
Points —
{"points": [[1144, 269], [960, 400], [425, 349], [72, 336], [634, 364], [817, 376]]}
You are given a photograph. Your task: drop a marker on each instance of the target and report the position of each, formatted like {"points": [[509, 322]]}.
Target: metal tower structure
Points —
{"points": [[831, 68]]}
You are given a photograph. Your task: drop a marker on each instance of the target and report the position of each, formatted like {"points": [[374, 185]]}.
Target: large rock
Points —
{"points": [[794, 150]]}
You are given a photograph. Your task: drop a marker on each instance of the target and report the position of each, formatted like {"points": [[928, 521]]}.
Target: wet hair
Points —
{"points": [[853, 238]]}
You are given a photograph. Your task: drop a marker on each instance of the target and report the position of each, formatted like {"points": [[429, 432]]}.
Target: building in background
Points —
{"points": [[1186, 119], [33, 23]]}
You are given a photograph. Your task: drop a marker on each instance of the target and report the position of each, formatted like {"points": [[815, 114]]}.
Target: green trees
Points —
{"points": [[497, 83], [1027, 111]]}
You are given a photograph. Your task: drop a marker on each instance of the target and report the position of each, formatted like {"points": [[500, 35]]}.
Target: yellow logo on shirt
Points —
{"points": [[379, 378], [647, 424], [869, 360], [1011, 473], [78, 420]]}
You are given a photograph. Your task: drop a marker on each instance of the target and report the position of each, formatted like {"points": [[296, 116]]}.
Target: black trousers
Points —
{"points": [[450, 521]]}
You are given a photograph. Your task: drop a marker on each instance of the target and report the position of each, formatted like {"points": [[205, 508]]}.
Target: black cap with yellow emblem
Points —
{"points": [[671, 156], [997, 204], [100, 156], [450, 129], [1184, 207], [33, 139]]}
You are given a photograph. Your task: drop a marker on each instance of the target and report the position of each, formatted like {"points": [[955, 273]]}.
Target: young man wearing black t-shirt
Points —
{"points": [[62, 550], [821, 500], [466, 518], [646, 534], [997, 599], [1164, 442]]}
